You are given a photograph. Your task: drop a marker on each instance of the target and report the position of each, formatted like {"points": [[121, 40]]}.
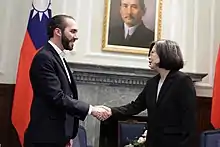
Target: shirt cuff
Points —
{"points": [[90, 109]]}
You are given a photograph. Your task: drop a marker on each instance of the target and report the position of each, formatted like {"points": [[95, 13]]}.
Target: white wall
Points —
{"points": [[13, 16], [192, 23]]}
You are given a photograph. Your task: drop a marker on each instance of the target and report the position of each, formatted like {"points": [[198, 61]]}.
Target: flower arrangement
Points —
{"points": [[139, 142]]}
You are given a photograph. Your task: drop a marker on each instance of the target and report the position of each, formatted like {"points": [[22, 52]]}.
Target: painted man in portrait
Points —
{"points": [[132, 32]]}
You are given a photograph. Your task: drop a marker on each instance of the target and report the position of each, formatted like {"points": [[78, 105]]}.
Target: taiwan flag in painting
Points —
{"points": [[35, 38]]}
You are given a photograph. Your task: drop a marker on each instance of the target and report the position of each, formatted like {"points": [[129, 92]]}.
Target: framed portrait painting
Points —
{"points": [[131, 25]]}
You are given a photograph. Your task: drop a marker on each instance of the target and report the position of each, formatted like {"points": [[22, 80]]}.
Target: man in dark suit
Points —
{"points": [[169, 97], [55, 110], [132, 32]]}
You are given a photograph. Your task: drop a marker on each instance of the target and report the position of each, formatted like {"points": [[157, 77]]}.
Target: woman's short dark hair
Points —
{"points": [[57, 21], [169, 53]]}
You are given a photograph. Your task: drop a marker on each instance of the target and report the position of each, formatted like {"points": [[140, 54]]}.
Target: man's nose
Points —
{"points": [[129, 10], [76, 37]]}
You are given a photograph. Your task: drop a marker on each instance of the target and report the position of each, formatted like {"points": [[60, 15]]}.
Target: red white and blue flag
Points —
{"points": [[215, 113], [35, 38]]}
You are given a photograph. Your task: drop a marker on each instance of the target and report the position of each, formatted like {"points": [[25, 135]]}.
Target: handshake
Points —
{"points": [[101, 112]]}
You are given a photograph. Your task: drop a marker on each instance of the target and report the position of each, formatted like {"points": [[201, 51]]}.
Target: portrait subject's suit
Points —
{"points": [[172, 118], [55, 110], [142, 37]]}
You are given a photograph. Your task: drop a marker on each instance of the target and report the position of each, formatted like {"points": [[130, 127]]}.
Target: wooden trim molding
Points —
{"points": [[120, 76]]}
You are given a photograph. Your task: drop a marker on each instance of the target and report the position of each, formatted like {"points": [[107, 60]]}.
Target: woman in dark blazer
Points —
{"points": [[169, 98]]}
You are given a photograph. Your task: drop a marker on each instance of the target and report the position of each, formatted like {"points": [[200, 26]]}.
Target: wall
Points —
{"points": [[14, 15], [193, 24]]}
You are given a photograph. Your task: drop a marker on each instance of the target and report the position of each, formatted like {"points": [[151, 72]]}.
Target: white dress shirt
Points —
{"points": [[159, 87], [129, 30], [61, 55]]}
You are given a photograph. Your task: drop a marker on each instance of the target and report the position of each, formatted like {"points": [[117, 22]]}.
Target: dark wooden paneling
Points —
{"points": [[6, 96], [8, 135], [204, 105]]}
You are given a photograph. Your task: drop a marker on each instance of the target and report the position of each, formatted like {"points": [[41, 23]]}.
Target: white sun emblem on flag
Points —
{"points": [[41, 7]]}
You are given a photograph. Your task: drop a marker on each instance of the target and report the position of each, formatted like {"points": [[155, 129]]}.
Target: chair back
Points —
{"points": [[129, 131], [81, 138], [210, 138]]}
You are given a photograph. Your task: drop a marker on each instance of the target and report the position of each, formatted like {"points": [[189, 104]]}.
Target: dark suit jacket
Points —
{"points": [[142, 37], [55, 110], [172, 119]]}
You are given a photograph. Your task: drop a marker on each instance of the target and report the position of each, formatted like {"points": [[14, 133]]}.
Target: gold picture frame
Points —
{"points": [[157, 28]]}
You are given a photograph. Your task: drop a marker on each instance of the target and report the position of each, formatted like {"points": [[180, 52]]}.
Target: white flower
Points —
{"points": [[141, 140], [130, 145], [145, 133]]}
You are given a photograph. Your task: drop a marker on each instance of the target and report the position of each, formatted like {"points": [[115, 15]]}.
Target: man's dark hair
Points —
{"points": [[57, 21], [142, 4], [169, 53]]}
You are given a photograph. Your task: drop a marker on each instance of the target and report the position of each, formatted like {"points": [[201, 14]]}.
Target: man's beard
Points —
{"points": [[67, 42]]}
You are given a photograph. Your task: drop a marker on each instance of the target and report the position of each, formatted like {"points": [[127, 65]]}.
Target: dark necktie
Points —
{"points": [[128, 36]]}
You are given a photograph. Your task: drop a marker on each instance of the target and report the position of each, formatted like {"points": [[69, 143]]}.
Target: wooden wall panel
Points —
{"points": [[6, 96]]}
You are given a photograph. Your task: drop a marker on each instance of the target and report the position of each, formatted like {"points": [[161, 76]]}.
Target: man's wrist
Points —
{"points": [[90, 109]]}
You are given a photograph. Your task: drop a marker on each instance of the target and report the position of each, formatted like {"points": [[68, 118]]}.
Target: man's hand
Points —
{"points": [[101, 112]]}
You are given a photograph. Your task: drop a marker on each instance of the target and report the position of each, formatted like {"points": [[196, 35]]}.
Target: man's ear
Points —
{"points": [[144, 11], [58, 32]]}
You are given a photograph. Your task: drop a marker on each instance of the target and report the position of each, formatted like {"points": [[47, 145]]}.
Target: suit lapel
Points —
{"points": [[68, 69], [55, 54], [138, 31], [57, 57], [153, 90], [70, 73], [167, 83], [72, 84]]}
